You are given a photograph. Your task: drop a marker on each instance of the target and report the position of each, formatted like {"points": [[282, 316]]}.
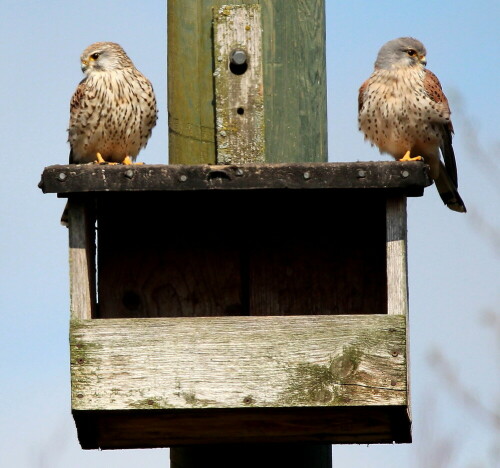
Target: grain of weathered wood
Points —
{"points": [[239, 88], [408, 177], [191, 119], [397, 269], [234, 362], [81, 259], [294, 80]]}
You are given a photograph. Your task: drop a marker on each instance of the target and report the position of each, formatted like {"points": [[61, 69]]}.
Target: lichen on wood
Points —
{"points": [[239, 99]]}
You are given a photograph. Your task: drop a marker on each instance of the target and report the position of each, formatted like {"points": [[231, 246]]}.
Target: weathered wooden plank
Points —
{"points": [[294, 80], [408, 177], [234, 362], [397, 268], [190, 82], [172, 428], [239, 88], [295, 95], [81, 259]]}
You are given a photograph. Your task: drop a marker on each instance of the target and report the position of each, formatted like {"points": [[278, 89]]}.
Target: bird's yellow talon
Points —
{"points": [[99, 159], [407, 157], [127, 161]]}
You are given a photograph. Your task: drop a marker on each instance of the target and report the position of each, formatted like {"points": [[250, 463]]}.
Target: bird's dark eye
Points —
{"points": [[411, 52], [94, 56]]}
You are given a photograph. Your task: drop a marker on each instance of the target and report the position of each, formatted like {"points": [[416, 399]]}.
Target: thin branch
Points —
{"points": [[443, 368]]}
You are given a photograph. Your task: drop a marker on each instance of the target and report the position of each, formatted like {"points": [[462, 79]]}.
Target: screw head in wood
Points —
{"points": [[361, 174], [238, 57], [307, 175], [238, 62], [61, 177]]}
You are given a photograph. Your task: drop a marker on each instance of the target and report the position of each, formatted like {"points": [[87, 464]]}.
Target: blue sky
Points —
{"points": [[453, 258]]}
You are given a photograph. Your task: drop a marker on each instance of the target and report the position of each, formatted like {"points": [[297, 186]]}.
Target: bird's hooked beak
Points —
{"points": [[422, 59], [84, 65]]}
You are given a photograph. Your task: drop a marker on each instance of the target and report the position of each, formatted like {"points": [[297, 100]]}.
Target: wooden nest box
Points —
{"points": [[239, 303]]}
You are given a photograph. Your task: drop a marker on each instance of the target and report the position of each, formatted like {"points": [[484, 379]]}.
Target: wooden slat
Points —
{"points": [[172, 428], [238, 362], [397, 268], [239, 88], [408, 177], [295, 96], [397, 274], [81, 259]]}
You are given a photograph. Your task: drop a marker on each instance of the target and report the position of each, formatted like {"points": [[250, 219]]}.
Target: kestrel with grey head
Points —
{"points": [[403, 111], [113, 109]]}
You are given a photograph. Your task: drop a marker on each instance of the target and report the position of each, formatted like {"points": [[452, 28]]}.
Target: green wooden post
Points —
{"points": [[293, 49], [294, 80]]}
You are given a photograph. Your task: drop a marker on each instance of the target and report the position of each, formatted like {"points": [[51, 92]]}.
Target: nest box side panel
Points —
{"points": [[82, 268]]}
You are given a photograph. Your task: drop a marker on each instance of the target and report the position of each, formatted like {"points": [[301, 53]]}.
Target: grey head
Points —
{"points": [[401, 52]]}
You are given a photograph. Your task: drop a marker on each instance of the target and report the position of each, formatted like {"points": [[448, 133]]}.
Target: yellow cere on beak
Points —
{"points": [[422, 59]]}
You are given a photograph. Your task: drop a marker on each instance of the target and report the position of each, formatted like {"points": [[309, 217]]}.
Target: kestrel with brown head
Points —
{"points": [[403, 111], [113, 109]]}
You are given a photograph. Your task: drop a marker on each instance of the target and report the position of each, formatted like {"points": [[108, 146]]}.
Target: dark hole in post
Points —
{"points": [[238, 69], [240, 110]]}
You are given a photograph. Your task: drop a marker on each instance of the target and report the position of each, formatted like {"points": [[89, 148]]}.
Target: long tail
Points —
{"points": [[448, 191]]}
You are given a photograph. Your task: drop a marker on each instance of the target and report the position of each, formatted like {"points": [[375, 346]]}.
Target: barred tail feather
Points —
{"points": [[448, 191]]}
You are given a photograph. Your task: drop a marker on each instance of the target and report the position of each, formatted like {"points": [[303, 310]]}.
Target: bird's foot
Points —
{"points": [[100, 160], [128, 161], [407, 157]]}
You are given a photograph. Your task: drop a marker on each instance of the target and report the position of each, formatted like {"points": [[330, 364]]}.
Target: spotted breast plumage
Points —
{"points": [[404, 112], [113, 110]]}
